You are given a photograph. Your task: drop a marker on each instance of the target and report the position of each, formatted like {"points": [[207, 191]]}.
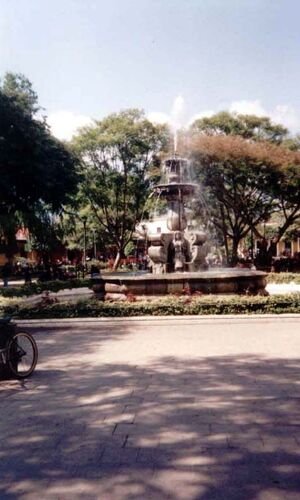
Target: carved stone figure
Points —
{"points": [[178, 250]]}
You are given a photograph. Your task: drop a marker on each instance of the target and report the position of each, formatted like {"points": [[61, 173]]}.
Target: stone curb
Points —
{"points": [[153, 319]]}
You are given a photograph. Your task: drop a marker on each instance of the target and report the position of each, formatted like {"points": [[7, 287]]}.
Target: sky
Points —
{"points": [[176, 59]]}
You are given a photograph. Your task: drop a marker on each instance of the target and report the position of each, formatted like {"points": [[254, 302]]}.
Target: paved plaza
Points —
{"points": [[186, 408]]}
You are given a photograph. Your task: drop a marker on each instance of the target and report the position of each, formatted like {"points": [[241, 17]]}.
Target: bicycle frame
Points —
{"points": [[2, 356], [7, 330], [12, 350]]}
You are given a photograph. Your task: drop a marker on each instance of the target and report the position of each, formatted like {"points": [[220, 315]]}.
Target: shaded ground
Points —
{"points": [[167, 409]]}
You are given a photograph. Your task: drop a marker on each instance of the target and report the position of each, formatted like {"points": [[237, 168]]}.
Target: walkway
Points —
{"points": [[191, 408]]}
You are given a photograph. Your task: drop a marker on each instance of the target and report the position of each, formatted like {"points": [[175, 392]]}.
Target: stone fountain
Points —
{"points": [[177, 256], [179, 250]]}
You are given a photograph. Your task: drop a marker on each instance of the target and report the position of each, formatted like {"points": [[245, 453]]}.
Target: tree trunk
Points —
{"points": [[226, 248], [11, 247], [45, 256], [224, 231], [234, 251], [117, 261], [120, 255]]}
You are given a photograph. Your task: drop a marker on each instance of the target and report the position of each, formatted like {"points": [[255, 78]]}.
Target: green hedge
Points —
{"points": [[281, 278], [162, 307], [36, 288]]}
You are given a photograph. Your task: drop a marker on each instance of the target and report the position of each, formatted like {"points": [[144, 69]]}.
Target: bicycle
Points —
{"points": [[18, 349]]}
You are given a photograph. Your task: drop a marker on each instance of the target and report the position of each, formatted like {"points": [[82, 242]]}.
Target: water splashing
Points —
{"points": [[175, 142], [177, 118]]}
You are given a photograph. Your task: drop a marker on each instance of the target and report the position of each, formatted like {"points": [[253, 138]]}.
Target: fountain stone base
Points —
{"points": [[118, 286]]}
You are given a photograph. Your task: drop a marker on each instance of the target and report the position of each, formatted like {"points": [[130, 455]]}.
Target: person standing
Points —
{"points": [[27, 274], [6, 270]]}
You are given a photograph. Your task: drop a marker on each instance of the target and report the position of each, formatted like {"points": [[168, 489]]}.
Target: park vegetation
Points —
{"points": [[248, 169], [38, 172], [246, 182], [166, 306], [116, 157]]}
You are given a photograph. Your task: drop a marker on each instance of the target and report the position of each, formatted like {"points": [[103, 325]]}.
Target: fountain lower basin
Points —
{"points": [[116, 286]]}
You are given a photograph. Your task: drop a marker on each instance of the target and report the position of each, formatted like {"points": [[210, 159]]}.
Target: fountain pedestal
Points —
{"points": [[179, 250]]}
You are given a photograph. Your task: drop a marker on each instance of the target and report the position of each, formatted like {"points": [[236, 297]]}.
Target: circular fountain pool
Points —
{"points": [[215, 281]]}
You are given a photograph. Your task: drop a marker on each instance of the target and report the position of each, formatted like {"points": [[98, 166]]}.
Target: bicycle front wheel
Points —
{"points": [[22, 354]]}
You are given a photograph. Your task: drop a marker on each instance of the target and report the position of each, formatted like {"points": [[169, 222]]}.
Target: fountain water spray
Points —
{"points": [[177, 118]]}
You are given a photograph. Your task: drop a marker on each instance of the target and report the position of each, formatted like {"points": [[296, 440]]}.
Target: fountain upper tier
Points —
{"points": [[175, 189], [178, 179], [176, 170]]}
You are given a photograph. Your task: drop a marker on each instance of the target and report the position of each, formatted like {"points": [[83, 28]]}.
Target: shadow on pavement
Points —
{"points": [[205, 428]]}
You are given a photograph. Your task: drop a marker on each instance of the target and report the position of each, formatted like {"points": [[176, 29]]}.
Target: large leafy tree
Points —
{"points": [[117, 154], [37, 172], [245, 182], [246, 126], [249, 169]]}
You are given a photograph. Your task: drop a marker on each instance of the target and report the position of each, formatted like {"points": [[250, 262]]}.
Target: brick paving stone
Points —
{"points": [[170, 409]]}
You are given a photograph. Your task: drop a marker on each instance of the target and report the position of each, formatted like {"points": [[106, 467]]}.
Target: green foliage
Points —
{"points": [[163, 307], [281, 278], [116, 154], [44, 172], [19, 89], [130, 248], [246, 126], [37, 288], [47, 231], [246, 175], [293, 143], [38, 173], [96, 263]]}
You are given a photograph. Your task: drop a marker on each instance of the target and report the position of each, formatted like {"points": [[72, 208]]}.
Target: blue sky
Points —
{"points": [[88, 58]]}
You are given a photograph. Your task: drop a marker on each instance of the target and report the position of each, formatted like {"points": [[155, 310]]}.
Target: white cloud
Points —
{"points": [[202, 114], [287, 116], [282, 113], [158, 117], [247, 108], [64, 124]]}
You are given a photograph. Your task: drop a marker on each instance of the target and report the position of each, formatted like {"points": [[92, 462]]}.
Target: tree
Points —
{"points": [[245, 182], [34, 165], [19, 89], [116, 155], [292, 143], [246, 179], [37, 172], [246, 126], [285, 193], [82, 229]]}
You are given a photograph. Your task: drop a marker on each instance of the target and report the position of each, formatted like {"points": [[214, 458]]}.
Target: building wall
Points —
{"points": [[3, 259], [293, 247]]}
